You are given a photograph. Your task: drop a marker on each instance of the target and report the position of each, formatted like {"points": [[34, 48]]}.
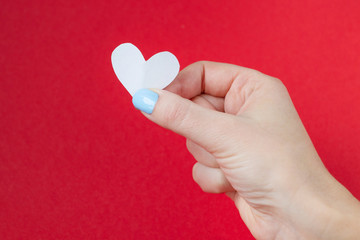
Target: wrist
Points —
{"points": [[341, 214], [325, 210]]}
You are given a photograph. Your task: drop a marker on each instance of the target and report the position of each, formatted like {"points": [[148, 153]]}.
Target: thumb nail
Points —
{"points": [[145, 100]]}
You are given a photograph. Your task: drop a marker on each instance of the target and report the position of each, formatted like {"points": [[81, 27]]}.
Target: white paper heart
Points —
{"points": [[135, 73]]}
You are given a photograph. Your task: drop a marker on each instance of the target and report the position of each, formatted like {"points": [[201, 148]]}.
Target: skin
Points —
{"points": [[249, 143]]}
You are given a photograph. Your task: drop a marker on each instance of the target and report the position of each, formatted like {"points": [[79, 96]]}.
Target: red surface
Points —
{"points": [[77, 161]]}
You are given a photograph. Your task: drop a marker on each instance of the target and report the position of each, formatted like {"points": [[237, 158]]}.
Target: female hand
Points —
{"points": [[248, 139]]}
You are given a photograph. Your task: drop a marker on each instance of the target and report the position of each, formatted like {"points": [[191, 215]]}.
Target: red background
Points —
{"points": [[79, 162]]}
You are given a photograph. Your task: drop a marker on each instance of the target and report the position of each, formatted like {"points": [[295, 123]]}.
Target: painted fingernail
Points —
{"points": [[145, 100]]}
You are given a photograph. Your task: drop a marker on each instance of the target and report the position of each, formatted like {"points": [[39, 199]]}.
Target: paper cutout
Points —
{"points": [[135, 73]]}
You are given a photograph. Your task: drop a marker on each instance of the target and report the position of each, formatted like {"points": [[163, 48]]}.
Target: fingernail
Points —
{"points": [[145, 100]]}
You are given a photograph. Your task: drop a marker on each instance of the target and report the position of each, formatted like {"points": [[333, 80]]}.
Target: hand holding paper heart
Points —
{"points": [[135, 73], [248, 139]]}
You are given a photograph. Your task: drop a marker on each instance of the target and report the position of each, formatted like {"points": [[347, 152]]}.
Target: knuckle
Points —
{"points": [[279, 85], [277, 81]]}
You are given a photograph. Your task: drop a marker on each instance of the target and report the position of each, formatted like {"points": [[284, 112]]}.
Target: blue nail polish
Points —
{"points": [[145, 100]]}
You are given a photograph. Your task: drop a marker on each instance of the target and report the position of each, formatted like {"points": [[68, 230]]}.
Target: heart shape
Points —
{"points": [[135, 73]]}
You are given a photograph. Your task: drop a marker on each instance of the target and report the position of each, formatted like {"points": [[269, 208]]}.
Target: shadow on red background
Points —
{"points": [[77, 161]]}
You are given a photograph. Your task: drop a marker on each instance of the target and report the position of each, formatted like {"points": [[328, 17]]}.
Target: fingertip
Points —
{"points": [[145, 100]]}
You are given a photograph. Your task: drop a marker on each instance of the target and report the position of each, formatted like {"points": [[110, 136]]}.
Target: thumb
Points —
{"points": [[209, 128]]}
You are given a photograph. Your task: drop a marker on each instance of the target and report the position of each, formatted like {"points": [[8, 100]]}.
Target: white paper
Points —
{"points": [[135, 73]]}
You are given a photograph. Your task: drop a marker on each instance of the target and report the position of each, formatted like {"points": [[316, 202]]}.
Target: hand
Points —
{"points": [[248, 139]]}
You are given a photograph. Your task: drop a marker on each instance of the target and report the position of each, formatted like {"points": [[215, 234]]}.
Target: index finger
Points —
{"points": [[206, 77]]}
